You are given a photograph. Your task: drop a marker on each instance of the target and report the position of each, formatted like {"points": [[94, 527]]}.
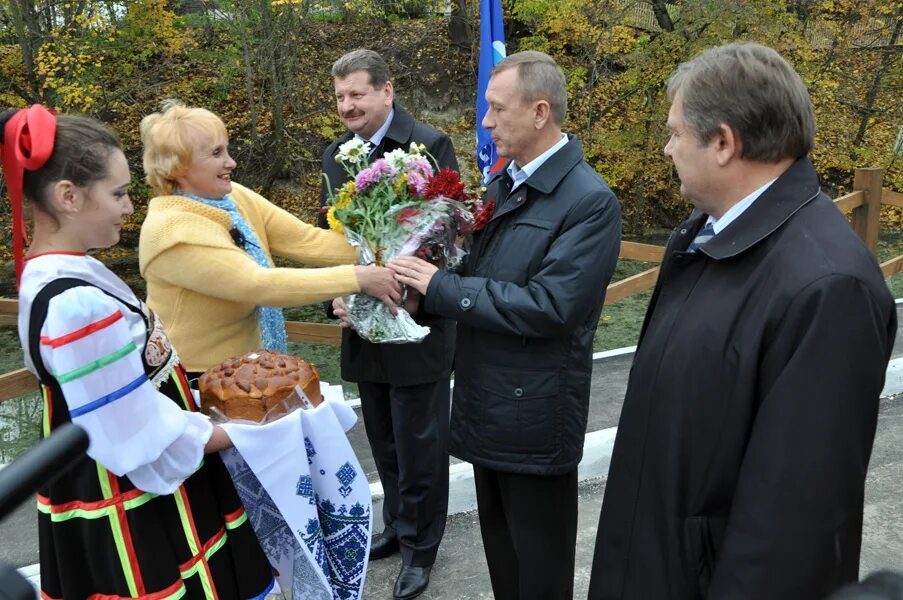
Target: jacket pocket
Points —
{"points": [[538, 225], [519, 410], [702, 539], [519, 249]]}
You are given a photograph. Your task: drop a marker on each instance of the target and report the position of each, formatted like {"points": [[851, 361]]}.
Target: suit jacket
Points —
{"points": [[527, 306], [396, 364], [739, 465]]}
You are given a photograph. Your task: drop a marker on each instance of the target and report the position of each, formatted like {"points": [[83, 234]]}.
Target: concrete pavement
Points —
{"points": [[460, 571]]}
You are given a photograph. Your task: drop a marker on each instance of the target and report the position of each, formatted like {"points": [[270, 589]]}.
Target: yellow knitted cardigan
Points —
{"points": [[206, 289]]}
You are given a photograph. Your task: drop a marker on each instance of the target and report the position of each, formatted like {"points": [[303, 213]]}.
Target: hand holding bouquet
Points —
{"points": [[398, 206]]}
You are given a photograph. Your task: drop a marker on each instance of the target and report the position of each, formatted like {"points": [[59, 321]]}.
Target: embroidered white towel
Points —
{"points": [[307, 498]]}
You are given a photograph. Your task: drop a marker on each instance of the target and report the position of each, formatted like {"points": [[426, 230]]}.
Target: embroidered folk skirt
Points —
{"points": [[100, 537]]}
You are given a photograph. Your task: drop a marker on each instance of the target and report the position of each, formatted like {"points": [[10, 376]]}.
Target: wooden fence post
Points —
{"points": [[866, 218]]}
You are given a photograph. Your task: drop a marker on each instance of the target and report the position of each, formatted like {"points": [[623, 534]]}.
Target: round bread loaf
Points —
{"points": [[247, 387]]}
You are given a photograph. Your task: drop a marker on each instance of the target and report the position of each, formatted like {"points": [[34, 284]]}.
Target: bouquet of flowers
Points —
{"points": [[398, 206]]}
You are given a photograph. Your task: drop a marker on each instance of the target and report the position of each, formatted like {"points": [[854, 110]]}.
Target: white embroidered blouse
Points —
{"points": [[93, 344]]}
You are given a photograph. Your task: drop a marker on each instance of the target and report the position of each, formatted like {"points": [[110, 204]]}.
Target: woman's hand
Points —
{"points": [[219, 440], [380, 283], [412, 301], [340, 310], [413, 272]]}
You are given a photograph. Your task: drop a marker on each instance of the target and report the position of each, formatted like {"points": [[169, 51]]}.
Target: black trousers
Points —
{"points": [[529, 528], [407, 427]]}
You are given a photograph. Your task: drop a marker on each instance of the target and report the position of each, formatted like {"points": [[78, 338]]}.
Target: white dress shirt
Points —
{"points": [[737, 209], [377, 137], [520, 175]]}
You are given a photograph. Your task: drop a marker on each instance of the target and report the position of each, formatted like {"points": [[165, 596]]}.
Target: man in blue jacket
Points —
{"points": [[527, 306]]}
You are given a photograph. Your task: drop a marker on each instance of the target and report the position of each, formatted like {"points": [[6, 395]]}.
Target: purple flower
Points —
{"points": [[417, 181], [384, 167], [366, 178], [421, 166]]}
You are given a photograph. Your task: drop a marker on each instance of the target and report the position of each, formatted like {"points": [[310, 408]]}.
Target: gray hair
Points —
{"points": [[363, 60], [539, 78], [754, 91]]}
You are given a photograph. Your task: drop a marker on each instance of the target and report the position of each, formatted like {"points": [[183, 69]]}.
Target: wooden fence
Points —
{"points": [[864, 202]]}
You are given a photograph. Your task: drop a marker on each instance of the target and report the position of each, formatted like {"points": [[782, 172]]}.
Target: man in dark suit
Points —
{"points": [[739, 466], [527, 306], [404, 388]]}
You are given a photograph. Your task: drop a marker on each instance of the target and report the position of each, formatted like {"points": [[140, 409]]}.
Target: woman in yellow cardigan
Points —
{"points": [[207, 244]]}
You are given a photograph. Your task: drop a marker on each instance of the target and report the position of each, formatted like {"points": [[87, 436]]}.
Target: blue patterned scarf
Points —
{"points": [[270, 319]]}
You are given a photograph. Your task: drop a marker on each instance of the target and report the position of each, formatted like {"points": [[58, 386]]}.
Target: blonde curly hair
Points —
{"points": [[170, 138]]}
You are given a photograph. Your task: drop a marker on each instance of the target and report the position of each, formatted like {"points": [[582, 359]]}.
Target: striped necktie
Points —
{"points": [[704, 235]]}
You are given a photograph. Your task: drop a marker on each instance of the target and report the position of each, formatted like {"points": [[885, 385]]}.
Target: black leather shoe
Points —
{"points": [[411, 582], [382, 546]]}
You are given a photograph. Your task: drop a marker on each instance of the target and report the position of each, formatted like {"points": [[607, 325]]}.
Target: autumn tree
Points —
{"points": [[617, 55], [263, 67]]}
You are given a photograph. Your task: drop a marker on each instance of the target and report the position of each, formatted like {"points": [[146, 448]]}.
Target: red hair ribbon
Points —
{"points": [[27, 144]]}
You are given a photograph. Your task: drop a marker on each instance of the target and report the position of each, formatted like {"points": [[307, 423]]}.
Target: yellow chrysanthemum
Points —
{"points": [[346, 192], [334, 223], [401, 183]]}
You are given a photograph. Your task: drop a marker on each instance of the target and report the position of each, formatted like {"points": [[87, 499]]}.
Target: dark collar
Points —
{"points": [[402, 125], [551, 172], [794, 188]]}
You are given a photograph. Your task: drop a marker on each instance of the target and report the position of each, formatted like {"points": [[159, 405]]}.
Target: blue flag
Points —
{"points": [[492, 51]]}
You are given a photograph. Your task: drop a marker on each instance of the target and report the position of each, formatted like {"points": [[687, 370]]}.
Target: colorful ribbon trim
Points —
{"points": [[104, 400], [80, 333], [96, 364]]}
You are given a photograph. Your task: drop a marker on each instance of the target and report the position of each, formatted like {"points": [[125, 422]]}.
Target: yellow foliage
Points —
{"points": [[616, 58], [83, 59], [619, 39], [264, 69]]}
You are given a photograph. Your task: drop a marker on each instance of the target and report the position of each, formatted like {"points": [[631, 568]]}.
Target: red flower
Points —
{"points": [[482, 213], [407, 214], [431, 253], [446, 184]]}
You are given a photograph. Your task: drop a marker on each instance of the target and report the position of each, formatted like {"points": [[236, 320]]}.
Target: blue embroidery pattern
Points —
{"points": [[338, 542], [321, 544], [313, 538], [274, 535], [306, 488], [309, 449], [306, 583], [345, 475]]}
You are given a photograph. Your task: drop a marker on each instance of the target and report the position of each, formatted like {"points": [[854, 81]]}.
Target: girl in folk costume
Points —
{"points": [[150, 512]]}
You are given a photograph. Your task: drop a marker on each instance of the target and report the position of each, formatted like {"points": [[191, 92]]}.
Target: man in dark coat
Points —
{"points": [[404, 388], [739, 465], [527, 306]]}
